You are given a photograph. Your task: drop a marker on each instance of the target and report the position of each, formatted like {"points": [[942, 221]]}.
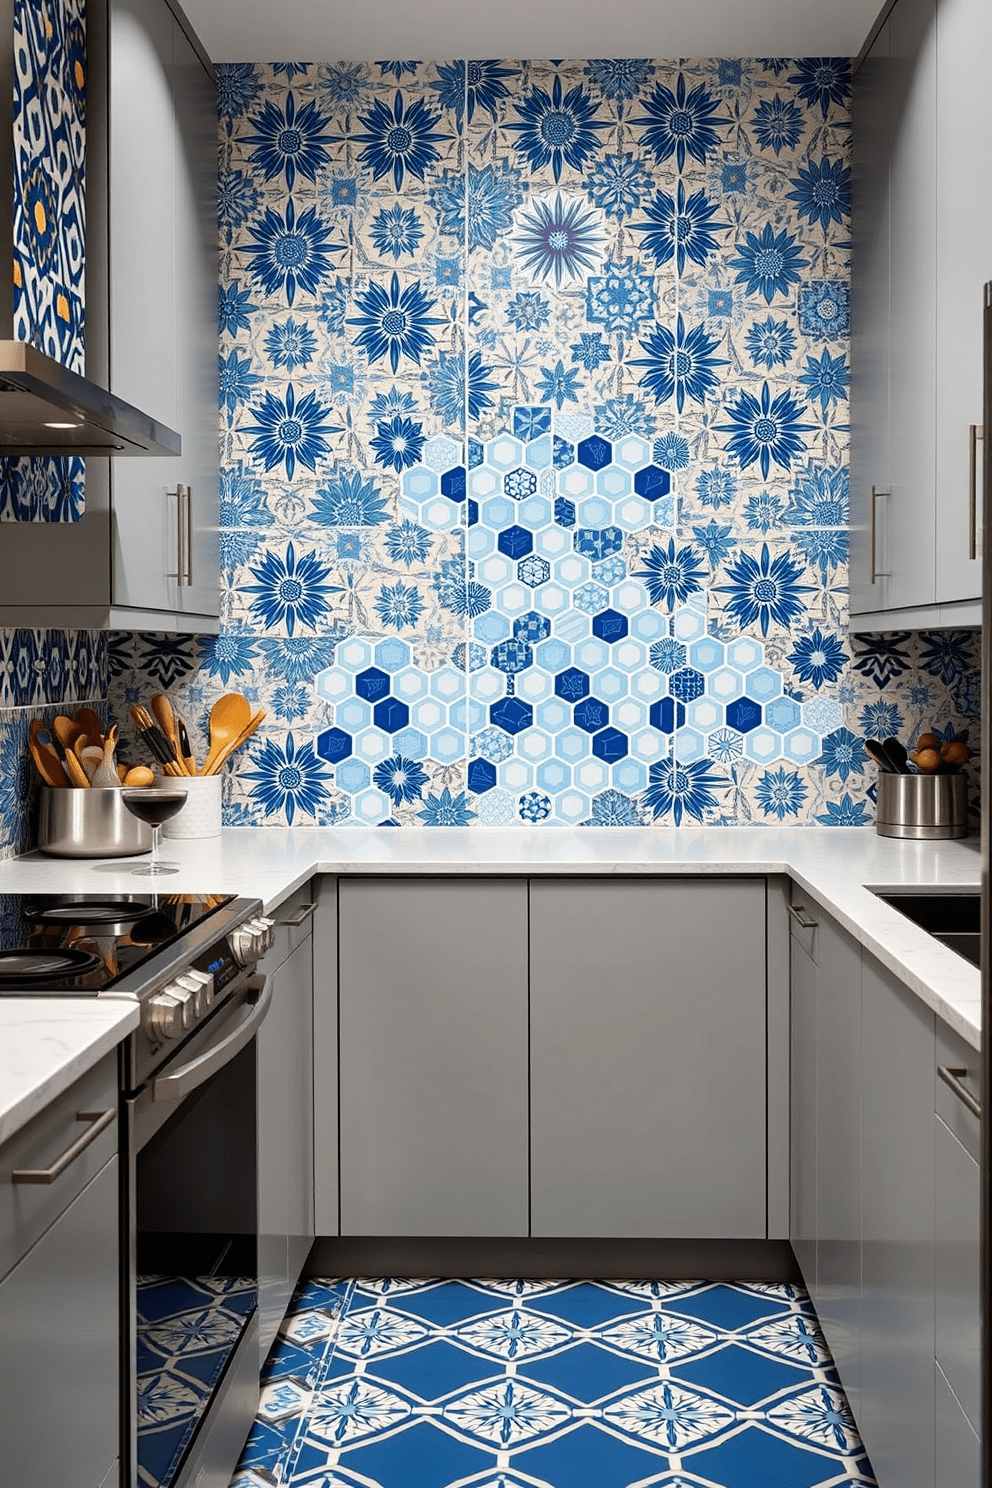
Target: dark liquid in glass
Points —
{"points": [[154, 807]]}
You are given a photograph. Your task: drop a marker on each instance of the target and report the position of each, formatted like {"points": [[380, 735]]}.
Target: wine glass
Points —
{"points": [[155, 805]]}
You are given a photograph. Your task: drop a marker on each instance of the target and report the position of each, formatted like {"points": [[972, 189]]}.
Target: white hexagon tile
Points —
{"points": [[535, 451]]}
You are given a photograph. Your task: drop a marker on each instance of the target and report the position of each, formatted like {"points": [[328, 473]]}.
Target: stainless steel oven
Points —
{"points": [[190, 1311], [189, 1204]]}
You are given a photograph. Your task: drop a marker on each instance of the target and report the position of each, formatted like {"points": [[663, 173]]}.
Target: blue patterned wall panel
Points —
{"points": [[535, 427], [49, 228]]}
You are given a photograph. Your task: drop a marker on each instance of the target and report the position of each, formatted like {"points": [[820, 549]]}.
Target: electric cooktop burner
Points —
{"points": [[59, 946]]}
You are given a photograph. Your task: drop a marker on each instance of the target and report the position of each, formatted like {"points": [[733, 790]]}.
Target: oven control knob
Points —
{"points": [[163, 1016], [201, 986], [242, 943], [184, 997], [268, 931]]}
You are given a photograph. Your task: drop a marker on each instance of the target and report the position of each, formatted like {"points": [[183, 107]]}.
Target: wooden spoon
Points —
{"points": [[229, 717], [166, 720], [90, 757], [89, 723], [46, 760], [225, 753], [66, 730]]}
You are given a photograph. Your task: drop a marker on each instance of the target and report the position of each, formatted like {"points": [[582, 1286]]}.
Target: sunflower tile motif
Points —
{"points": [[669, 1383]]}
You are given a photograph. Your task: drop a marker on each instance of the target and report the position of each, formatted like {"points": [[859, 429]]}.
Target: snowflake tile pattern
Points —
{"points": [[534, 423], [546, 1384]]}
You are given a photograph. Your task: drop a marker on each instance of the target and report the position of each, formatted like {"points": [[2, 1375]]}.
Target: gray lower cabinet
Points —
{"points": [[648, 1057], [325, 1055], [957, 1265], [433, 1056], [802, 1116], [59, 1298], [838, 1151], [897, 1367], [285, 1118]]}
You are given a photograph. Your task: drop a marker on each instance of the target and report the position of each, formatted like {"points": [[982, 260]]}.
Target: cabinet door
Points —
{"points": [[648, 1063], [285, 1138], [957, 1270], [59, 1341], [197, 271], [897, 1376], [964, 263], [913, 292], [838, 1149], [870, 323], [433, 1056], [802, 1192], [957, 1451], [144, 303], [325, 1056]]}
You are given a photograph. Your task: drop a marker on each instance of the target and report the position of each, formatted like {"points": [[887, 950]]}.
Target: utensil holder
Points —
{"points": [[200, 816], [922, 806], [94, 823]]}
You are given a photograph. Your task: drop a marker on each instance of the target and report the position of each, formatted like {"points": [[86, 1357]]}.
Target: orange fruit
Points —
{"points": [[927, 760], [955, 753], [928, 741]]}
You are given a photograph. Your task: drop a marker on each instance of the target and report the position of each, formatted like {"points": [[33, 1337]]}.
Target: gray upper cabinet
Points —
{"points": [[433, 1056], [145, 553], [870, 325], [922, 251], [648, 1058], [163, 301], [964, 258]]}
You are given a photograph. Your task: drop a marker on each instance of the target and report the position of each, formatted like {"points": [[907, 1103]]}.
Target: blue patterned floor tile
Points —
{"points": [[451, 1302], [586, 1304], [587, 1373], [421, 1457], [740, 1375], [433, 1369], [588, 1456], [730, 1307], [754, 1456], [514, 1384]]}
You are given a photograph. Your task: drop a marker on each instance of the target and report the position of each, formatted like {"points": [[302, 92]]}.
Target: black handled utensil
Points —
{"points": [[897, 756], [878, 754]]}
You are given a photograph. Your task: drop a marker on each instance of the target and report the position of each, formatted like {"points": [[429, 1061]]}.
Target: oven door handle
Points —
{"points": [[176, 1085]]}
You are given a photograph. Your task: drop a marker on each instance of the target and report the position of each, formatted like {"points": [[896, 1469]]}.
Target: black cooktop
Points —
{"points": [[59, 945]]}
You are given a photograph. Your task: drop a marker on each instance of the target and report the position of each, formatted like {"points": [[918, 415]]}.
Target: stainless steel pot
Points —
{"points": [[77, 823], [922, 806]]}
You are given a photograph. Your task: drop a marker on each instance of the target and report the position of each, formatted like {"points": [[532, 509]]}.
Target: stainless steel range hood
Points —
{"points": [[47, 410]]}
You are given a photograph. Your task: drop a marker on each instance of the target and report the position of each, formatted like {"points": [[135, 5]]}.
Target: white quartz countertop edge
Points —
{"points": [[47, 1043], [836, 867]]}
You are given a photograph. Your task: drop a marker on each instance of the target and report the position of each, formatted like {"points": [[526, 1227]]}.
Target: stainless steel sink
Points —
{"points": [[953, 919]]}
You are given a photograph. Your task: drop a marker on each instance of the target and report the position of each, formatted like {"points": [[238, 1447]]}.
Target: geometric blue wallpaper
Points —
{"points": [[534, 422]]}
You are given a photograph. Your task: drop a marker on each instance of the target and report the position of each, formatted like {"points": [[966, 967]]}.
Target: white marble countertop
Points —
{"points": [[47, 1043], [836, 867]]}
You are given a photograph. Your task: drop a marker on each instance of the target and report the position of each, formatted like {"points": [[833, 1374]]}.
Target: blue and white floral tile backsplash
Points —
{"points": [[42, 672], [534, 425], [48, 120], [535, 450]]}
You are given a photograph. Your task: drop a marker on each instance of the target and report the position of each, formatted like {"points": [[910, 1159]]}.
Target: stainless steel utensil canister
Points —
{"points": [[76, 823], [922, 806]]}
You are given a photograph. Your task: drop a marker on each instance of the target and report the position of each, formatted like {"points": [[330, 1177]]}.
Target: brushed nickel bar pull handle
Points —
{"points": [[100, 1121], [976, 433], [797, 911], [176, 1085], [952, 1077], [876, 573], [304, 914], [178, 491], [189, 536]]}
